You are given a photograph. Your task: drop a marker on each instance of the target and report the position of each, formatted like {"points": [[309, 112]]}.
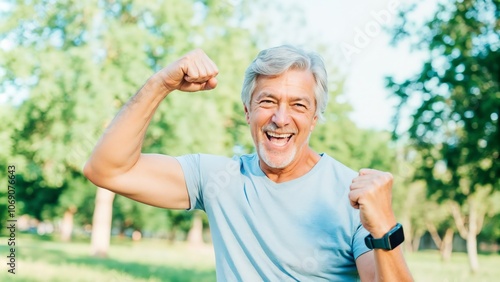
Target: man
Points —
{"points": [[285, 213]]}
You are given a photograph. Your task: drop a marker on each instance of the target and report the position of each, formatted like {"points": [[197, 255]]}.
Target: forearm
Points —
{"points": [[120, 145], [391, 266]]}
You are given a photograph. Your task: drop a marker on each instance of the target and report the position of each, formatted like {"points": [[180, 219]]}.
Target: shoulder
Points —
{"points": [[218, 163]]}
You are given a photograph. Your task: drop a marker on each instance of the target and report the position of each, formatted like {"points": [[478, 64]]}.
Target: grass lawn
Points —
{"points": [[51, 261], [46, 260], [427, 267]]}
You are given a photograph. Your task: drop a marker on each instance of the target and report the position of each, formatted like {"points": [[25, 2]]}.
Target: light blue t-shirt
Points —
{"points": [[300, 230]]}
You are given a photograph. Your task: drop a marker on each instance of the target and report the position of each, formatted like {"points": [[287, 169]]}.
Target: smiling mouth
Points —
{"points": [[279, 139]]}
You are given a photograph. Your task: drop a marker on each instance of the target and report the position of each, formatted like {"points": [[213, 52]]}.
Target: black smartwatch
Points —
{"points": [[391, 239]]}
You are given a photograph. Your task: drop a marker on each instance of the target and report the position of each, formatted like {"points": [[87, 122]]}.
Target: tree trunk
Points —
{"points": [[471, 237], [416, 240], [101, 222], [446, 247], [67, 224], [445, 244], [408, 232], [195, 234], [434, 234], [171, 235]]}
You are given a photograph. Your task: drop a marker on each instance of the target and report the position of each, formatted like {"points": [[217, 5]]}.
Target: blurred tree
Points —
{"points": [[79, 62], [7, 127], [439, 225], [50, 58], [491, 232], [456, 127], [419, 213], [75, 203]]}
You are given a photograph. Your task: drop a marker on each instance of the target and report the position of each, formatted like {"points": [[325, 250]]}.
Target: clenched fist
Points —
{"points": [[194, 71], [371, 193]]}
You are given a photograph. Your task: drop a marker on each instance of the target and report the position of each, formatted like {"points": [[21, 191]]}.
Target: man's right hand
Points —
{"points": [[194, 71]]}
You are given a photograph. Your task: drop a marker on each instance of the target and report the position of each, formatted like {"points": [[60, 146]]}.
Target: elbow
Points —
{"points": [[92, 174], [88, 172], [99, 175]]}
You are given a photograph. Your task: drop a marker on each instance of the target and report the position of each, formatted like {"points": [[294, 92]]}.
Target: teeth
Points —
{"points": [[276, 135], [279, 139]]}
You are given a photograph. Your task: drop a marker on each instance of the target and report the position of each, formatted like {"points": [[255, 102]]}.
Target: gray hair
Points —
{"points": [[277, 60]]}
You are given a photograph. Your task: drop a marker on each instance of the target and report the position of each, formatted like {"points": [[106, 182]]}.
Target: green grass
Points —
{"points": [[50, 261], [41, 259], [426, 266]]}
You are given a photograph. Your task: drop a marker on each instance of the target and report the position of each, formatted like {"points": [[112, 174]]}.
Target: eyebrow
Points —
{"points": [[305, 100]]}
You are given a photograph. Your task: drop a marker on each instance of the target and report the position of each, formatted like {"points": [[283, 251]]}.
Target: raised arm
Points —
{"points": [[371, 193], [117, 163]]}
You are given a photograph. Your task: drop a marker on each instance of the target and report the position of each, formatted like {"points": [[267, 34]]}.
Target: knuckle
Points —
{"points": [[353, 194], [371, 192], [388, 177]]}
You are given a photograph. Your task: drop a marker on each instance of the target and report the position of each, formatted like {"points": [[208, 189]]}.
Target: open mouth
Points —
{"points": [[278, 139]]}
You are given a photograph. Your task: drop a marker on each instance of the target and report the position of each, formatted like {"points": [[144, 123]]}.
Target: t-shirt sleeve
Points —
{"points": [[359, 246], [192, 174]]}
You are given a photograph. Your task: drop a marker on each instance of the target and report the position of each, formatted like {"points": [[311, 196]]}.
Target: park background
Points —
{"points": [[414, 89]]}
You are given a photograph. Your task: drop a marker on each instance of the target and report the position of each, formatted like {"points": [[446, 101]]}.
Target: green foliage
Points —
{"points": [[427, 266], [491, 230], [36, 200], [77, 63], [130, 215], [8, 115], [456, 126], [455, 100]]}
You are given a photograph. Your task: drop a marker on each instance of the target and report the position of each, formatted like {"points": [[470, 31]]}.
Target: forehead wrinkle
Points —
{"points": [[292, 98], [273, 89]]}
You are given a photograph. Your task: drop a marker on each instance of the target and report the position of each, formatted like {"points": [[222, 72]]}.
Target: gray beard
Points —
{"points": [[282, 162]]}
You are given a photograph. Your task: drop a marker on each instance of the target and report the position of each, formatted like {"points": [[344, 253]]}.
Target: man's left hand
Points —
{"points": [[371, 193]]}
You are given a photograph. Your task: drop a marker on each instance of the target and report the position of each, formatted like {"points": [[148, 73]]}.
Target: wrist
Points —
{"points": [[383, 228], [156, 86], [388, 241]]}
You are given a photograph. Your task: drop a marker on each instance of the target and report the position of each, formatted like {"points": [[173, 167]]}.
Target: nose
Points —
{"points": [[281, 116]]}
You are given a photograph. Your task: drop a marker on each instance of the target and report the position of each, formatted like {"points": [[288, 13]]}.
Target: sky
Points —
{"points": [[352, 32]]}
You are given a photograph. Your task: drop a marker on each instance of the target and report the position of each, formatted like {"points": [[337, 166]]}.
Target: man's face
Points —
{"points": [[282, 116]]}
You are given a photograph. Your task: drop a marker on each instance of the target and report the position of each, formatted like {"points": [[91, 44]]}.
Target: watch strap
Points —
{"points": [[389, 241]]}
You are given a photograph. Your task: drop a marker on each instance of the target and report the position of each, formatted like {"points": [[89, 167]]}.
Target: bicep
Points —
{"points": [[366, 266], [156, 180]]}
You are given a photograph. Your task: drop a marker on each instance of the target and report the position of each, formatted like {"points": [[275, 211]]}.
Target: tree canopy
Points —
{"points": [[455, 100], [456, 127]]}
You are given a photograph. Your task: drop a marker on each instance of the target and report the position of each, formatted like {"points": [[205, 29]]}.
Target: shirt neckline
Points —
{"points": [[259, 172]]}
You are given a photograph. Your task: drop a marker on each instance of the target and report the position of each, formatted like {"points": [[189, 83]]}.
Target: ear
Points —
{"points": [[313, 124], [247, 114]]}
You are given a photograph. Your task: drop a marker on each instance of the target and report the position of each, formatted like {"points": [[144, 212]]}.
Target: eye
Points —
{"points": [[266, 102], [299, 105]]}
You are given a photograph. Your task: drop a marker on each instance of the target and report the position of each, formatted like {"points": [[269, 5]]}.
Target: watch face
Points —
{"points": [[397, 237]]}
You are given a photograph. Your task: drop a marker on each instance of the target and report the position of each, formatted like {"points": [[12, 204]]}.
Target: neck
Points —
{"points": [[297, 168]]}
